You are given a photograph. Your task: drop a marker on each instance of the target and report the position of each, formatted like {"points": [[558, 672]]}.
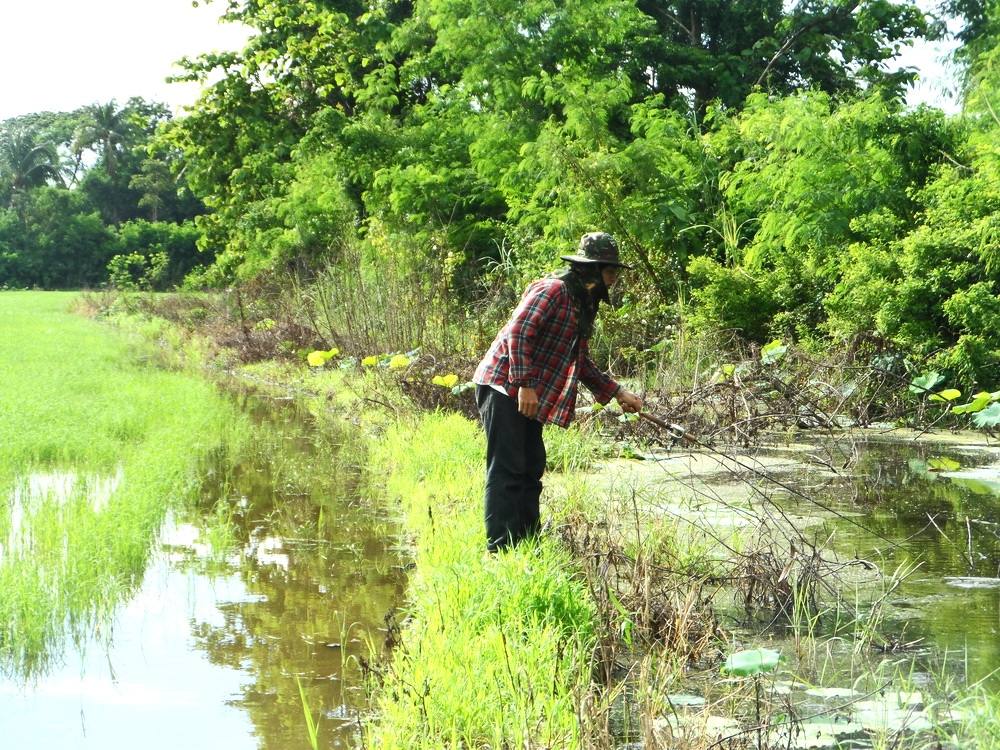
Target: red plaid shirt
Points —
{"points": [[536, 349]]}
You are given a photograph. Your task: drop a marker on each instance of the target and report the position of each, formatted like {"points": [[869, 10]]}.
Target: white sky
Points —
{"points": [[62, 54]]}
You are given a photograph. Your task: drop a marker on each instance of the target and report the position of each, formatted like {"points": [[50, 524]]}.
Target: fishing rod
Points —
{"points": [[677, 432]]}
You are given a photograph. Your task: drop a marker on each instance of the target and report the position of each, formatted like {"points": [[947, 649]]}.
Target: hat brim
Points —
{"points": [[585, 259]]}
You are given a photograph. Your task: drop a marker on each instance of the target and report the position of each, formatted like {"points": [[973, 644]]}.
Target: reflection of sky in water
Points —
{"points": [[152, 688], [892, 494], [59, 487]]}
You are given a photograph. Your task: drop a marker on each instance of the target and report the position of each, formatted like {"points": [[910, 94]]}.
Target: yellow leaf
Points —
{"points": [[316, 359], [449, 381], [369, 361], [398, 362], [438, 380], [948, 394], [332, 353]]}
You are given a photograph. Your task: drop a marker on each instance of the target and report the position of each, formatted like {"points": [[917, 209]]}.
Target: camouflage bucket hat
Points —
{"points": [[599, 248]]}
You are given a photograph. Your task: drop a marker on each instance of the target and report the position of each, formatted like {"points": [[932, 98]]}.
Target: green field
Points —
{"points": [[96, 445]]}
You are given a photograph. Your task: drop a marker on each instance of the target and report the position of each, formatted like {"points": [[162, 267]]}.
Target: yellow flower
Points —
{"points": [[398, 362], [445, 381], [332, 353], [316, 359], [369, 361]]}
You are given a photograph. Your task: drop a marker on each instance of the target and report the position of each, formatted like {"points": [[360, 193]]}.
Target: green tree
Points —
{"points": [[25, 163], [721, 51], [107, 130], [55, 241], [155, 182]]}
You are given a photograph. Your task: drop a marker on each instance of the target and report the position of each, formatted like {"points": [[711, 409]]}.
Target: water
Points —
{"points": [[944, 521], [283, 571], [930, 505]]}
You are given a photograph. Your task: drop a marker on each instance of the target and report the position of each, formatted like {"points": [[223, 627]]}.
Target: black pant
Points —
{"points": [[515, 462]]}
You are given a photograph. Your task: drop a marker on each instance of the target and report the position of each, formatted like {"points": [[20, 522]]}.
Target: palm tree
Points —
{"points": [[25, 164], [106, 130]]}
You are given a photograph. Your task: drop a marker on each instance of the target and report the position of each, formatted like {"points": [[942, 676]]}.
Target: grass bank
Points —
{"points": [[96, 444], [495, 650]]}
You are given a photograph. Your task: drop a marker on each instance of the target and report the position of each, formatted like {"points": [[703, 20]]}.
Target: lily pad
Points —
{"points": [[832, 692], [752, 662], [989, 417], [445, 381], [925, 382], [981, 481], [979, 402], [399, 361], [972, 582], [771, 353], [885, 716], [812, 735], [921, 469], [941, 463], [948, 394], [684, 699]]}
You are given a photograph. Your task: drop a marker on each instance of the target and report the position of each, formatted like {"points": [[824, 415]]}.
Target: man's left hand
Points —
{"points": [[629, 402]]}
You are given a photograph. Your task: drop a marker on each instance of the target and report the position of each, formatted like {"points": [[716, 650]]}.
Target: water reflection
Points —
{"points": [[56, 488], [320, 570], [944, 519], [283, 570]]}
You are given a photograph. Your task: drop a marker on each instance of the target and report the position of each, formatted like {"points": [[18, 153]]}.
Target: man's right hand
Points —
{"points": [[527, 402]]}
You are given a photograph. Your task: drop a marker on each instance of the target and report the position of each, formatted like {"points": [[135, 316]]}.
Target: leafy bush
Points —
{"points": [[729, 298]]}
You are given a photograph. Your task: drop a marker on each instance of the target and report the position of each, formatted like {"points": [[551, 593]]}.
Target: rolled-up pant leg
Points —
{"points": [[515, 462]]}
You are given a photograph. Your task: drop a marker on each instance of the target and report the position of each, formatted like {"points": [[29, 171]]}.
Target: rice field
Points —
{"points": [[96, 445]]}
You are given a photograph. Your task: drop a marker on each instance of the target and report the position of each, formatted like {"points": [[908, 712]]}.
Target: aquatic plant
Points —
{"points": [[496, 649]]}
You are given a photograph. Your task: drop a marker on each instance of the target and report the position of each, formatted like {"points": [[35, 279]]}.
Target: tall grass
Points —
{"points": [[79, 401], [496, 648], [383, 297]]}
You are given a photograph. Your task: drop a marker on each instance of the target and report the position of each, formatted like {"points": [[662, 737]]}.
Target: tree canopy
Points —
{"points": [[754, 158]]}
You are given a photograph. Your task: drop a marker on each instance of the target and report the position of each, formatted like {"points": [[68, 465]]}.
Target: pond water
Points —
{"points": [[280, 576], [930, 505], [283, 572], [934, 504]]}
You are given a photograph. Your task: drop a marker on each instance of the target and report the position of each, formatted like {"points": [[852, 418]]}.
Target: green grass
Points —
{"points": [[496, 649], [80, 399]]}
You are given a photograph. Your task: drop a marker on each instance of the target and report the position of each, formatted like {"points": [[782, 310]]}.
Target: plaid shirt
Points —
{"points": [[536, 349]]}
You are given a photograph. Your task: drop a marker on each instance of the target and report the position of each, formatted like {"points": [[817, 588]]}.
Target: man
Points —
{"points": [[529, 378]]}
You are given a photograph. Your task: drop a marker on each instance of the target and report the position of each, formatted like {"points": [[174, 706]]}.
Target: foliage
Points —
{"points": [[75, 186], [397, 164], [137, 272], [467, 137], [516, 629]]}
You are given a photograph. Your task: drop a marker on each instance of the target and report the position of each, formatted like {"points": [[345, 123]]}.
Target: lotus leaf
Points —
{"points": [[751, 662]]}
